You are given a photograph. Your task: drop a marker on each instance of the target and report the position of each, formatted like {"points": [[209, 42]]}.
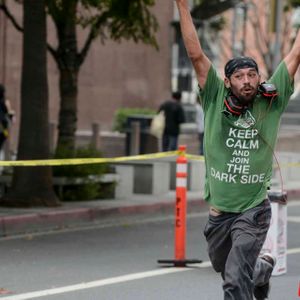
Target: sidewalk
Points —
{"points": [[16, 221]]}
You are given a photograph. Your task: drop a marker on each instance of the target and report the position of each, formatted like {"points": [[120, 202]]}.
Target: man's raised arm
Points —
{"points": [[292, 60], [199, 60]]}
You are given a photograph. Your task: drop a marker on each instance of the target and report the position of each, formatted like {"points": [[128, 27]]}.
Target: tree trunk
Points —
{"points": [[68, 65], [68, 112], [32, 186]]}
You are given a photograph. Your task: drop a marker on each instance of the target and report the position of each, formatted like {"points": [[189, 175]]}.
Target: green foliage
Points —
{"points": [[122, 114], [115, 19], [79, 170], [206, 9], [294, 3], [88, 190], [198, 2]]}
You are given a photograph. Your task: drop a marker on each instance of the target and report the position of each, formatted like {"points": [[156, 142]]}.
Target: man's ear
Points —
{"points": [[227, 82]]}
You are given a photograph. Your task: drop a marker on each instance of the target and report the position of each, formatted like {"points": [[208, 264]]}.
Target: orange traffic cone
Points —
{"points": [[180, 213]]}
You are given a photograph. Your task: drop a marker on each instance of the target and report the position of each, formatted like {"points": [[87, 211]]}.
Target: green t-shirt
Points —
{"points": [[239, 149]]}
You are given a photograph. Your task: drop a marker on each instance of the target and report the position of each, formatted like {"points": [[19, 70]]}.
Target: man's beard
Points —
{"points": [[247, 95], [246, 100]]}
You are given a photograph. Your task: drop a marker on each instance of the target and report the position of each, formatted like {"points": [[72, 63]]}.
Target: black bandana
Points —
{"points": [[239, 63]]}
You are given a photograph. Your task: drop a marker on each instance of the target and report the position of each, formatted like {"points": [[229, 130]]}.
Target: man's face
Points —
{"points": [[243, 84]]}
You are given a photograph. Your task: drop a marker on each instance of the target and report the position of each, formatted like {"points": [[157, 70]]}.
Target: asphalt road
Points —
{"points": [[118, 260]]}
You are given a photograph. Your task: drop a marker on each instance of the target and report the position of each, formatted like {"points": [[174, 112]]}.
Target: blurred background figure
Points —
{"points": [[200, 127], [174, 116], [6, 116]]}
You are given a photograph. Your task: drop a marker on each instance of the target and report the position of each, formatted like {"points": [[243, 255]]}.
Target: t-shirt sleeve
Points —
{"points": [[284, 85], [210, 90]]}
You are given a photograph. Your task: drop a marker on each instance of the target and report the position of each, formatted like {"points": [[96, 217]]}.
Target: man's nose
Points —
{"points": [[246, 79]]}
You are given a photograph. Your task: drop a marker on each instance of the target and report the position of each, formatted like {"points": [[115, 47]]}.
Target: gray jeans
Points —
{"points": [[234, 243]]}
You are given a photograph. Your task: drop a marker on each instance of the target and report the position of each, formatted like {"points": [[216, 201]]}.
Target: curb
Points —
{"points": [[30, 223], [56, 220]]}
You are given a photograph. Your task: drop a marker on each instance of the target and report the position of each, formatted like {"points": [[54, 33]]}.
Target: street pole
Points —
{"points": [[233, 32], [245, 16], [277, 44]]}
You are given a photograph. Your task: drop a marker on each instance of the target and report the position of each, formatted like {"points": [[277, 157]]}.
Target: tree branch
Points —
{"points": [[9, 15], [53, 52], [13, 20], [91, 36], [83, 53]]}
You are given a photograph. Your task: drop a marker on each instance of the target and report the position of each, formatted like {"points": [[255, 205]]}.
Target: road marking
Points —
{"points": [[293, 251], [294, 219], [97, 283], [294, 203], [113, 280]]}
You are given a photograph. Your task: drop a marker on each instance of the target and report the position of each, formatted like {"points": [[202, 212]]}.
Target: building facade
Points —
{"points": [[126, 74], [114, 75]]}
